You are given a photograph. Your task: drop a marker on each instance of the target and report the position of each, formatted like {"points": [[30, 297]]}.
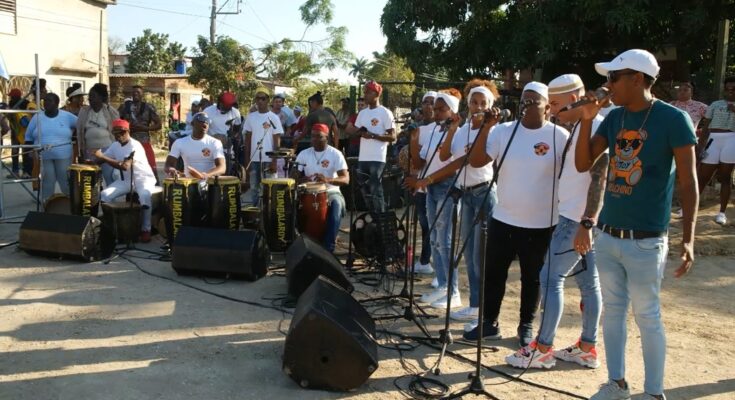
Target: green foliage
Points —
{"points": [[282, 63], [483, 38], [390, 67], [153, 53], [331, 90], [359, 68], [316, 11], [226, 65]]}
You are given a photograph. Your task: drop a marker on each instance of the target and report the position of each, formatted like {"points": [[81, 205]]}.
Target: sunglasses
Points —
{"points": [[201, 118], [261, 98], [624, 143], [613, 76], [530, 102]]}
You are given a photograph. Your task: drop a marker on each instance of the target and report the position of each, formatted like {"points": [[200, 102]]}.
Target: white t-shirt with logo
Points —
{"points": [[376, 120], [527, 176], [573, 185], [470, 176], [326, 162], [218, 121], [430, 137], [198, 154], [141, 169], [262, 126]]}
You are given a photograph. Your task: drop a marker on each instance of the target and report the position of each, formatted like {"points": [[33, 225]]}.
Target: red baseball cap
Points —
{"points": [[15, 92], [227, 99], [120, 123], [320, 128]]}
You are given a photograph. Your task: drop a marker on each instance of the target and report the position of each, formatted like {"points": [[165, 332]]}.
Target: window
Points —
{"points": [[66, 83], [7, 17]]}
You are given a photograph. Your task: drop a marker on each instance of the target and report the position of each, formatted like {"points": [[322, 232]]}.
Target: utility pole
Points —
{"points": [[213, 18], [723, 34]]}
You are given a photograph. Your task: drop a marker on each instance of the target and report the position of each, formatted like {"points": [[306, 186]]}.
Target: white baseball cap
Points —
{"points": [[539, 88], [635, 59]]}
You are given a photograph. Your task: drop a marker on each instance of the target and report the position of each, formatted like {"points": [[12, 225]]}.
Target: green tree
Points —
{"points": [[390, 67], [483, 38], [282, 63], [153, 53], [226, 65], [359, 68], [332, 92]]}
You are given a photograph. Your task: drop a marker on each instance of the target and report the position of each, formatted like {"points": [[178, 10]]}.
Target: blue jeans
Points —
{"points": [[420, 202], [370, 179], [472, 205], [631, 272], [252, 196], [441, 235], [54, 171], [335, 212], [564, 260]]}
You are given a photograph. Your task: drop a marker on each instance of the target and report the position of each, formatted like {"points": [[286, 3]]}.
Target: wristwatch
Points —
{"points": [[587, 223]]}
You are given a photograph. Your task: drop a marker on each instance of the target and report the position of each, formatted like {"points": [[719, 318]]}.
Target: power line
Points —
{"points": [[261, 22], [162, 10], [61, 23]]}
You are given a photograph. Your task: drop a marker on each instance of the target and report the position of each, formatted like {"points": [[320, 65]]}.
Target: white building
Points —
{"points": [[69, 36]]}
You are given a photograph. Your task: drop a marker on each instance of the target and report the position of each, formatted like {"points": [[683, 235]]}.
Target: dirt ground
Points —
{"points": [[72, 330]]}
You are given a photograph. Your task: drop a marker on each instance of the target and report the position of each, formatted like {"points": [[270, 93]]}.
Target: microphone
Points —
{"points": [[504, 114], [273, 126], [600, 93], [130, 156]]}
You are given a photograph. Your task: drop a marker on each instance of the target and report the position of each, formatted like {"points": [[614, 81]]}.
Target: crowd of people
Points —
{"points": [[566, 191]]}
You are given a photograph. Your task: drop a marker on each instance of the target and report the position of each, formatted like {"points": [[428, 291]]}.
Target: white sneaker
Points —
{"points": [[435, 283], [419, 268], [471, 325], [575, 354], [611, 391], [679, 214], [721, 218], [441, 303], [465, 314], [433, 296], [530, 357]]}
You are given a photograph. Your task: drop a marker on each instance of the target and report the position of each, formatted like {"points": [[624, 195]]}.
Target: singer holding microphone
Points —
{"points": [[649, 142], [126, 153], [263, 132], [323, 163]]}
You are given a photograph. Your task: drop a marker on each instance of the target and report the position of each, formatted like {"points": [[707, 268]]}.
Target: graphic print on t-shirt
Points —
{"points": [[325, 163], [540, 148], [374, 122], [206, 152], [625, 163]]}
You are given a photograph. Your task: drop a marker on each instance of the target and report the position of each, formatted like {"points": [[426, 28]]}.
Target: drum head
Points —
{"points": [[58, 204]]}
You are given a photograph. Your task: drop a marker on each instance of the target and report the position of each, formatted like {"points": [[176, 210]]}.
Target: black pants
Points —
{"points": [[504, 243]]}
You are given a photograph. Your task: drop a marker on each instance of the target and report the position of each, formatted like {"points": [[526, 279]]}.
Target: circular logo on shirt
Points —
{"points": [[325, 163], [266, 125], [374, 122], [540, 148], [206, 152]]}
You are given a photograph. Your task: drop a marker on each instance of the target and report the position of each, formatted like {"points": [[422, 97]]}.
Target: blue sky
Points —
{"points": [[259, 22]]}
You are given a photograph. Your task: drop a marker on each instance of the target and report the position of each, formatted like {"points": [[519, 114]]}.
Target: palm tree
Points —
{"points": [[359, 68]]}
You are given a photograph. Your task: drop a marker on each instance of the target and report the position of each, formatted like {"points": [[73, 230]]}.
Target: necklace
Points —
{"points": [[645, 119], [319, 160]]}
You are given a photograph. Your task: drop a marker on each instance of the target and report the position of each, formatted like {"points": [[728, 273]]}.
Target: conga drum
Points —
{"points": [[223, 198], [57, 204], [84, 189], [278, 212], [313, 210], [251, 218], [183, 204]]}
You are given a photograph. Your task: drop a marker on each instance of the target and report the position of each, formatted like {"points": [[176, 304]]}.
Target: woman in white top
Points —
{"points": [[94, 128]]}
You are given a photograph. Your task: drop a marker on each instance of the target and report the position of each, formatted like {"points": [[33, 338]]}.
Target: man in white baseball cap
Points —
{"points": [[646, 139]]}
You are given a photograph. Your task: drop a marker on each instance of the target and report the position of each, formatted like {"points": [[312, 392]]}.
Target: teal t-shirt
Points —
{"points": [[640, 179]]}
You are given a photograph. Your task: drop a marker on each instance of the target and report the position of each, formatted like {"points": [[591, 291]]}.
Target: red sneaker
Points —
{"points": [[145, 236]]}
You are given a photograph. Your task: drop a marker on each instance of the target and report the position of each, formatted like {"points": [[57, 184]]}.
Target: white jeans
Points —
{"points": [[144, 188]]}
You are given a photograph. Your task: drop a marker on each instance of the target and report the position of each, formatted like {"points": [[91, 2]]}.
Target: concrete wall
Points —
{"points": [[66, 36]]}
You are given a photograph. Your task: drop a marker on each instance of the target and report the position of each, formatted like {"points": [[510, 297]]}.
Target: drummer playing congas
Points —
{"points": [[203, 155], [324, 164], [121, 155]]}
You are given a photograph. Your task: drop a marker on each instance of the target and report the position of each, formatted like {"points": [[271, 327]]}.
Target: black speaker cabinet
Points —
{"points": [[220, 252], [67, 236], [331, 341], [306, 260]]}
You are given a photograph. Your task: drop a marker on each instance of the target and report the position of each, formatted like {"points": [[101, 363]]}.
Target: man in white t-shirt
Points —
{"points": [[263, 132], [225, 124], [580, 201], [202, 154], [526, 212], [128, 155], [375, 125], [325, 164]]}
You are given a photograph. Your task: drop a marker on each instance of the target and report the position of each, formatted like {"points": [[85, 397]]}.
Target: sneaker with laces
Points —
{"points": [[721, 218], [435, 283], [531, 357], [490, 331], [612, 391], [465, 314], [433, 296], [471, 325], [575, 354], [441, 303], [424, 269]]}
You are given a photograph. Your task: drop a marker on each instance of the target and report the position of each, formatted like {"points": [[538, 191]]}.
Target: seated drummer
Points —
{"points": [[125, 154], [325, 164], [202, 154]]}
